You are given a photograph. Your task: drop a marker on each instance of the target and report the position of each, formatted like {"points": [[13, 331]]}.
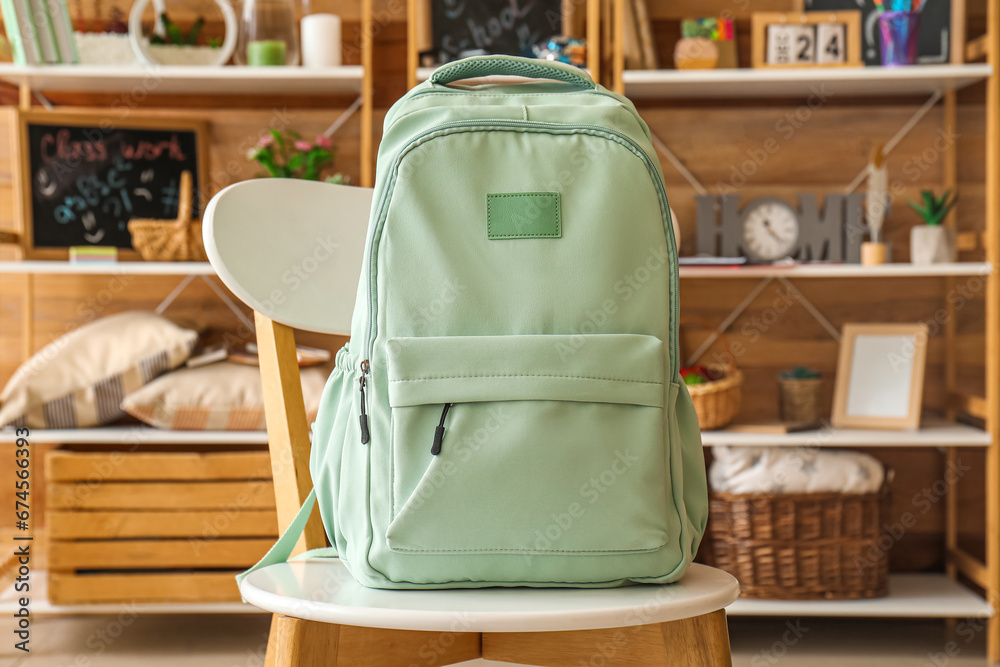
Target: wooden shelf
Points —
{"points": [[40, 605], [821, 270], [933, 433], [186, 80], [801, 82], [818, 270], [910, 596], [110, 268], [137, 435]]}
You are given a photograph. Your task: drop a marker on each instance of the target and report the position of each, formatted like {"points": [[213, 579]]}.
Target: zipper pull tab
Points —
{"points": [[439, 431], [363, 419]]}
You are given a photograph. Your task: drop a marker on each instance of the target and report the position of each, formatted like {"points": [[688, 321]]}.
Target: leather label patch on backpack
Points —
{"points": [[523, 215]]}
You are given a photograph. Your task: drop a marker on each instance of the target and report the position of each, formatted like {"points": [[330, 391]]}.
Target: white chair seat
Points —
{"points": [[323, 590]]}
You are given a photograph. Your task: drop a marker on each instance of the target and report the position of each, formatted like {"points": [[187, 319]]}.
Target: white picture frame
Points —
{"points": [[880, 376]]}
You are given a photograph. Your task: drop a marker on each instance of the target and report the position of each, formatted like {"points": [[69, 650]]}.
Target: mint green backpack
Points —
{"points": [[508, 411]]}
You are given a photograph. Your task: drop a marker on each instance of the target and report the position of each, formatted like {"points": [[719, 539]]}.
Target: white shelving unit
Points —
{"points": [[910, 596], [803, 82], [817, 270], [932, 433], [823, 270], [40, 605], [110, 268], [137, 435], [186, 80]]}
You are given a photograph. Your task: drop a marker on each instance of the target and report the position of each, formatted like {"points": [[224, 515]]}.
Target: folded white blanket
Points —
{"points": [[793, 470]]}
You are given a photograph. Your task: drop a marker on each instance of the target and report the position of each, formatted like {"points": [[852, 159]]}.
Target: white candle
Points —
{"points": [[321, 40]]}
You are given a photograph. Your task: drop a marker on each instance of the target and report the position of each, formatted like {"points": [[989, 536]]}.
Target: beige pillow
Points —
{"points": [[219, 397], [80, 379]]}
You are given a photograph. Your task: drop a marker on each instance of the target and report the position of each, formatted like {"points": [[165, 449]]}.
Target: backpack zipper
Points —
{"points": [[487, 125], [439, 431], [363, 418]]}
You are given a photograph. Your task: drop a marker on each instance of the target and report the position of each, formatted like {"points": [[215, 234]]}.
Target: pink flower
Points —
{"points": [[265, 141], [324, 141], [303, 145]]}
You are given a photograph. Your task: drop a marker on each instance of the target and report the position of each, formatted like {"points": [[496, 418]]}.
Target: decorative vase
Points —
{"points": [[696, 53], [873, 254], [800, 399], [267, 34], [932, 244]]}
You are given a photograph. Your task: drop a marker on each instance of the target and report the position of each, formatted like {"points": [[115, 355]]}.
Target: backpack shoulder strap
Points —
{"points": [[282, 549]]}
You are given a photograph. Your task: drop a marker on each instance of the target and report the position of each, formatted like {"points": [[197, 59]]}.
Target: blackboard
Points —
{"points": [[508, 27], [935, 28], [84, 177]]}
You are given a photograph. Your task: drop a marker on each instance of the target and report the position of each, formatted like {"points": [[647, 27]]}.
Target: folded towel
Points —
{"points": [[793, 470]]}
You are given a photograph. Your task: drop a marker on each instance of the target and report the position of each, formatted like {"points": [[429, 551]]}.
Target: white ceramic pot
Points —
{"points": [[932, 244]]}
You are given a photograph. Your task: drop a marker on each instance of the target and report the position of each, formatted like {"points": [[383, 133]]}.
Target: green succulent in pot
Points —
{"points": [[934, 209]]}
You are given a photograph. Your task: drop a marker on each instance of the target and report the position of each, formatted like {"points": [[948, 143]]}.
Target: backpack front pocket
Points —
{"points": [[528, 444]]}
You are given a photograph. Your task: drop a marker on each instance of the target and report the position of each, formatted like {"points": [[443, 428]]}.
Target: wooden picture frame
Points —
{"points": [[759, 22], [23, 207], [894, 354]]}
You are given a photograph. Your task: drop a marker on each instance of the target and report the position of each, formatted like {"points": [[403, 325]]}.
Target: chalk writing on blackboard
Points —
{"points": [[88, 182], [509, 27]]}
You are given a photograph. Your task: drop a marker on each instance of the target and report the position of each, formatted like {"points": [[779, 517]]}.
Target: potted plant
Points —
{"points": [[168, 44], [293, 157], [800, 390], [932, 242]]}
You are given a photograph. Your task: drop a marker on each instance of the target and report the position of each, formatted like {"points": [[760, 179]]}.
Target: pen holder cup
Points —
{"points": [[900, 33]]}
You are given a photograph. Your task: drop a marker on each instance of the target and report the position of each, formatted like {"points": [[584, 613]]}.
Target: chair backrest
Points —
{"points": [[292, 251]]}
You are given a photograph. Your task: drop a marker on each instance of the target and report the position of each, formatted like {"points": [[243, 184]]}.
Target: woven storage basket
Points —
{"points": [[717, 402], [800, 399], [808, 546], [171, 240]]}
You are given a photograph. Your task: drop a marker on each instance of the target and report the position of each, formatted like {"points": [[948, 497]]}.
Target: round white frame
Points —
{"points": [[139, 47]]}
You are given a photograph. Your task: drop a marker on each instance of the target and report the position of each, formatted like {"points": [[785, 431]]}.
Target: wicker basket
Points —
{"points": [[717, 402], [800, 399], [808, 546], [171, 240]]}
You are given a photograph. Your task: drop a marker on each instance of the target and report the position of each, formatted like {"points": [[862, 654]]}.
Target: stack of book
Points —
{"points": [[39, 31]]}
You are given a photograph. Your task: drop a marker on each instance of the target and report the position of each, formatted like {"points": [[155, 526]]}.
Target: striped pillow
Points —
{"points": [[219, 397], [79, 379]]}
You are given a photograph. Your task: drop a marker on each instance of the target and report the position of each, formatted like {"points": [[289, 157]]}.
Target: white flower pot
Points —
{"points": [[932, 244]]}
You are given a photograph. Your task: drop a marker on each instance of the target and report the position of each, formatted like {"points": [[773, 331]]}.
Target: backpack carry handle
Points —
{"points": [[480, 66]]}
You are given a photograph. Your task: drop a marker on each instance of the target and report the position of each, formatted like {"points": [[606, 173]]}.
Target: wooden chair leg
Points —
{"points": [[312, 644], [305, 643], [702, 641], [272, 642]]}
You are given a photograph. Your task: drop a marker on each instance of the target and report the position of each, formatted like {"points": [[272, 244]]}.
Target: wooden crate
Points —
{"points": [[155, 527]]}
